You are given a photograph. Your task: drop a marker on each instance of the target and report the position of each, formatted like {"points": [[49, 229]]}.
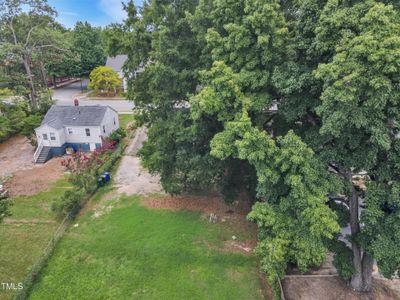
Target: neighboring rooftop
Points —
{"points": [[59, 116], [116, 62]]}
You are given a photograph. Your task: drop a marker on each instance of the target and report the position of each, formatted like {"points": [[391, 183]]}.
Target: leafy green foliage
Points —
{"points": [[382, 228], [355, 109], [332, 69], [118, 135], [68, 201], [5, 205], [29, 37], [342, 259], [105, 81], [88, 46], [17, 117], [5, 92]]}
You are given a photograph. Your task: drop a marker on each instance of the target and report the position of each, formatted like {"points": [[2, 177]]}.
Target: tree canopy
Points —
{"points": [[104, 80], [287, 101], [88, 45]]}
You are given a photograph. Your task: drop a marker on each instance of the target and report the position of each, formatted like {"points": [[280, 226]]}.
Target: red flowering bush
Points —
{"points": [[84, 169]]}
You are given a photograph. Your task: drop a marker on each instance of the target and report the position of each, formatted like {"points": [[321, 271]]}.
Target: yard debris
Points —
{"points": [[235, 245], [76, 225], [102, 211], [3, 192], [233, 237], [213, 218]]}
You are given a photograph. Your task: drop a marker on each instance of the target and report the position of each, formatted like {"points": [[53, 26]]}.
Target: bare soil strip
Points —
{"points": [[131, 178]]}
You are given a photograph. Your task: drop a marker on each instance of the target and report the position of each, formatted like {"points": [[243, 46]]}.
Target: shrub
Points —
{"points": [[84, 181], [70, 201], [6, 92], [112, 159], [18, 117], [5, 204], [28, 126], [117, 135]]}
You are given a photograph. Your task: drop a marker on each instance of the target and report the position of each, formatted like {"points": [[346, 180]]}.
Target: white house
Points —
{"points": [[117, 63], [83, 128]]}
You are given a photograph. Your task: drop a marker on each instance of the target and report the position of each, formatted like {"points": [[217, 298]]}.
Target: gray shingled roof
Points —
{"points": [[59, 116], [116, 62]]}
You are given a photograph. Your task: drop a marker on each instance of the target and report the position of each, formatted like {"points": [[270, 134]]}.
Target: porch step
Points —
{"points": [[44, 155]]}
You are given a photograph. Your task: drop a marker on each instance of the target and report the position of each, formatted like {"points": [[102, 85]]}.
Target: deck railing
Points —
{"points": [[37, 152]]}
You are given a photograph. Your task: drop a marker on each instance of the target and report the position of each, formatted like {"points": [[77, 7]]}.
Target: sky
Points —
{"points": [[96, 12]]}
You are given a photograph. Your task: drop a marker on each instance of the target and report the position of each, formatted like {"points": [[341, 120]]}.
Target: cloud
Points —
{"points": [[114, 9]]}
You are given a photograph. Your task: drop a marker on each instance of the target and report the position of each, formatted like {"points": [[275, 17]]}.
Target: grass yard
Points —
{"points": [[133, 252], [124, 119], [25, 234]]}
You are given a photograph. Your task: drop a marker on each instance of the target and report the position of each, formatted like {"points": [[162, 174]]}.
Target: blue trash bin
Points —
{"points": [[107, 176]]}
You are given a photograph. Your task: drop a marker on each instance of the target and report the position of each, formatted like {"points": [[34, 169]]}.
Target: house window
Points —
{"points": [[70, 131], [87, 131], [104, 129], [52, 136], [45, 136]]}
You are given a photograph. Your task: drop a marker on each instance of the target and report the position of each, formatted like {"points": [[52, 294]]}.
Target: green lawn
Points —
{"points": [[23, 242], [124, 119], [132, 252]]}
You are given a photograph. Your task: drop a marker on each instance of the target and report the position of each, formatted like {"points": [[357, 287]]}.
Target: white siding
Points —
{"points": [[108, 122], [58, 134], [78, 134]]}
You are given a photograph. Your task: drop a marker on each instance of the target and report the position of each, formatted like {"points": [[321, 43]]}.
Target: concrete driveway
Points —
{"points": [[66, 95]]}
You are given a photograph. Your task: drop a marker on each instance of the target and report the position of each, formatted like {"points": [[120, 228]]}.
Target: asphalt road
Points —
{"points": [[66, 95]]}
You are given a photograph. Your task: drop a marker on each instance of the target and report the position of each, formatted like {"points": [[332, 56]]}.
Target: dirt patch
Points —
{"points": [[131, 178], [92, 205], [243, 247], [38, 178], [209, 204], [15, 154], [214, 210], [332, 288], [27, 222]]}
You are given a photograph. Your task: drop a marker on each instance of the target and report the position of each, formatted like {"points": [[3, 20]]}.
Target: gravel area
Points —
{"points": [[131, 178]]}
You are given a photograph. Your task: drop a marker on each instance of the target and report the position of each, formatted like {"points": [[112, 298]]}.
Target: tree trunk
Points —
{"points": [[44, 75], [362, 262], [45, 79], [28, 70]]}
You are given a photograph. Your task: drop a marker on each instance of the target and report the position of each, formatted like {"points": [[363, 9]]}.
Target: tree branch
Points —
{"points": [[51, 46], [13, 31], [28, 37]]}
